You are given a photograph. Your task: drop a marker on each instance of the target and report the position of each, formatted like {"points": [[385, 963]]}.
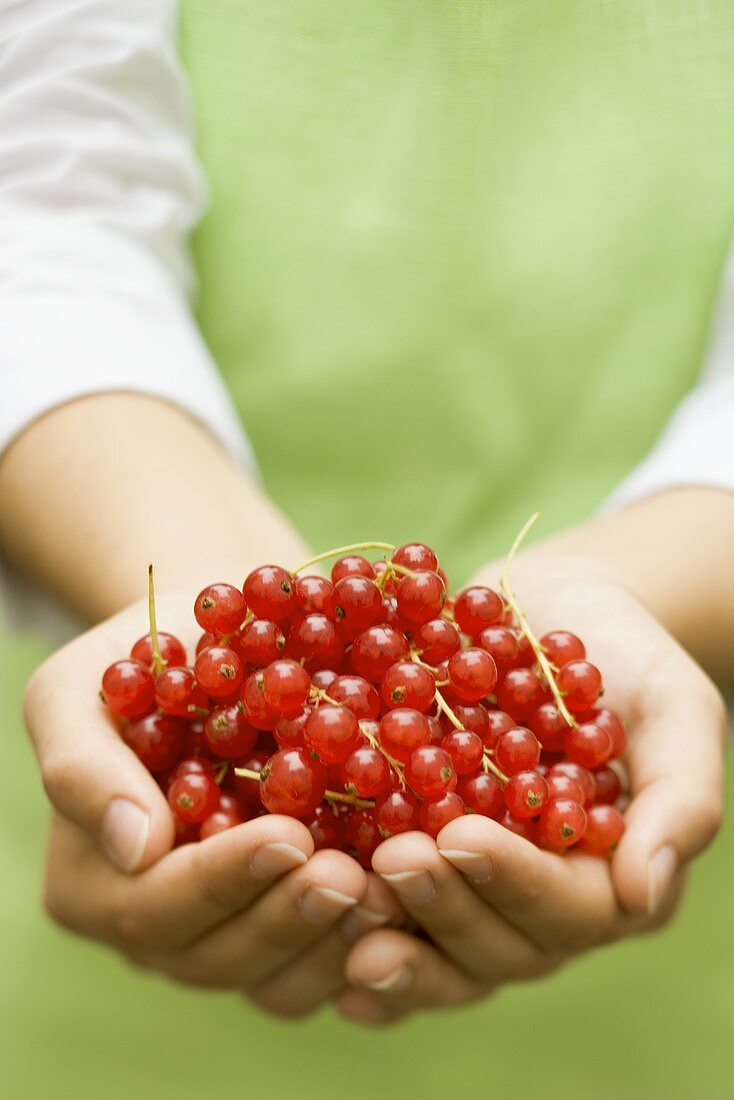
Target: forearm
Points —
{"points": [[95, 490]]}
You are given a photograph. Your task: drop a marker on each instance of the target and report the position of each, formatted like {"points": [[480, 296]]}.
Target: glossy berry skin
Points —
{"points": [[608, 785], [361, 836], [561, 647], [313, 593], [582, 775], [352, 565], [402, 731], [482, 794], [227, 732], [562, 823], [219, 822], [260, 641], [477, 607], [501, 643], [580, 684], [248, 790], [396, 813], [604, 829], [286, 686], [472, 716], [128, 688], [498, 722], [289, 729], [549, 726], [195, 764], [417, 556], [520, 693], [172, 651], [177, 692], [525, 794], [295, 783], [421, 598], [472, 674], [356, 604], [517, 750], [156, 739], [588, 745], [325, 826], [315, 639], [435, 813], [218, 670], [270, 592], [607, 720], [528, 828], [436, 640], [356, 693], [466, 750], [220, 608], [375, 649], [429, 772], [333, 733], [193, 797], [408, 685], [366, 772], [257, 711], [563, 786]]}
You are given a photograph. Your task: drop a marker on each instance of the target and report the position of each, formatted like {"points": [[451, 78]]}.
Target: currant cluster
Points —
{"points": [[370, 704]]}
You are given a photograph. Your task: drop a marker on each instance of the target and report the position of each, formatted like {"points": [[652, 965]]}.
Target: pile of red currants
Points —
{"points": [[371, 704]]}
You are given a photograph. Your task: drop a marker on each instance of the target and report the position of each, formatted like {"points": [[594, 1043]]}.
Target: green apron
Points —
{"points": [[459, 265]]}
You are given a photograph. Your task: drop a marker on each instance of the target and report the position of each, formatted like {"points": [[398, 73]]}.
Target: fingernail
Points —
{"points": [[359, 921], [320, 904], [660, 871], [396, 982], [125, 829], [417, 887], [275, 859], [478, 866]]}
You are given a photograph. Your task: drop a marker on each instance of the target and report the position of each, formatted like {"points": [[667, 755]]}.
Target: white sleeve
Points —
{"points": [[99, 188], [697, 445]]}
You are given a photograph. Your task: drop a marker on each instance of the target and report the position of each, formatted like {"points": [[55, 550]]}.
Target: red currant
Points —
{"points": [[580, 683], [520, 693], [466, 750], [333, 733], [220, 608], [177, 692], [561, 647], [436, 640], [352, 565], [437, 812], [517, 750], [313, 594], [228, 733], [257, 711], [472, 674], [408, 685], [366, 772], [156, 740], [402, 731], [421, 598], [356, 693], [172, 651], [286, 686], [604, 829], [562, 823], [128, 688], [416, 556], [260, 642], [429, 772], [294, 783], [482, 794], [218, 670], [476, 608], [608, 785], [193, 797], [270, 592], [375, 649], [396, 813], [525, 794], [582, 775]]}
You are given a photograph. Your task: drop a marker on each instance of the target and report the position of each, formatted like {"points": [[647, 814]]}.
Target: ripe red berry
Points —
{"points": [[315, 639], [333, 733], [270, 592], [156, 740], [575, 771], [563, 786], [421, 598], [477, 607], [608, 785], [580, 683], [607, 720], [466, 750], [473, 717], [416, 555], [501, 643], [219, 822], [294, 783], [482, 794], [218, 670], [472, 674], [408, 685], [289, 729], [562, 823], [356, 693], [177, 692], [519, 693], [588, 745], [361, 836], [436, 640], [528, 828], [375, 649], [172, 651], [366, 772], [193, 797], [561, 647], [325, 826], [228, 733], [402, 731], [260, 642], [352, 565], [525, 794], [128, 688], [356, 604], [437, 812], [498, 722], [257, 711], [549, 726], [313, 593], [604, 829], [286, 686], [517, 750], [429, 772], [396, 812], [220, 608]]}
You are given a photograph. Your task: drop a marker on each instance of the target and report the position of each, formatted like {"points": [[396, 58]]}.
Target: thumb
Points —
{"points": [[91, 777]]}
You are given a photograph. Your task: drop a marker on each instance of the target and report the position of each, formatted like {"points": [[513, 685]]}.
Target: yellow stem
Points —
{"points": [[341, 550], [489, 765], [331, 796], [158, 663]]}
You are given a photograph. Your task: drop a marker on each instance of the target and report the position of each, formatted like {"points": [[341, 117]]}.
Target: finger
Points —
{"points": [[408, 973], [318, 976], [90, 775], [561, 903], [368, 1009], [469, 931], [280, 927], [676, 769]]}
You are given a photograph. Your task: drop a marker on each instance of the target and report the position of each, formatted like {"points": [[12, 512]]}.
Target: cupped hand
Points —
{"points": [[496, 908], [251, 909]]}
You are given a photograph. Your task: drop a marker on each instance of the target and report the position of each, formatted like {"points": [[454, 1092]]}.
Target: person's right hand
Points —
{"points": [[251, 909]]}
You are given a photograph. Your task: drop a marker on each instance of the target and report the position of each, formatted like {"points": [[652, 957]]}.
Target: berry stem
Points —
{"points": [[394, 764], [341, 550], [158, 662], [330, 796], [537, 648], [489, 765]]}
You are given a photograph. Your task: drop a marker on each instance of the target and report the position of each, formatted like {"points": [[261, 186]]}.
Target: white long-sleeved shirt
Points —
{"points": [[99, 188]]}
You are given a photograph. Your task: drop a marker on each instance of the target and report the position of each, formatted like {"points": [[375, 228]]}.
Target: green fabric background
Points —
{"points": [[459, 265]]}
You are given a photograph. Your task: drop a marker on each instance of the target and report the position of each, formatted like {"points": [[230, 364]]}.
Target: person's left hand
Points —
{"points": [[496, 908]]}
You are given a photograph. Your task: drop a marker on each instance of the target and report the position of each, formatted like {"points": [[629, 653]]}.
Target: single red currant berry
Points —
{"points": [[286, 686], [219, 822], [352, 565], [466, 750], [416, 555], [366, 772], [193, 797], [294, 783], [421, 598], [607, 720], [520, 692], [580, 683], [333, 733], [563, 786], [128, 688], [270, 592], [436, 640], [525, 794], [476, 608], [220, 608], [437, 812], [356, 603], [588, 745], [562, 823], [356, 693], [498, 722], [375, 649], [257, 711], [517, 750], [549, 726], [289, 730], [604, 829], [608, 785], [218, 670], [315, 640], [172, 651], [429, 772], [361, 836], [156, 740], [194, 765], [260, 642], [396, 813], [313, 594], [482, 794], [402, 731], [408, 685], [582, 775], [325, 826], [177, 692], [228, 733], [501, 643], [561, 647], [472, 674]]}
